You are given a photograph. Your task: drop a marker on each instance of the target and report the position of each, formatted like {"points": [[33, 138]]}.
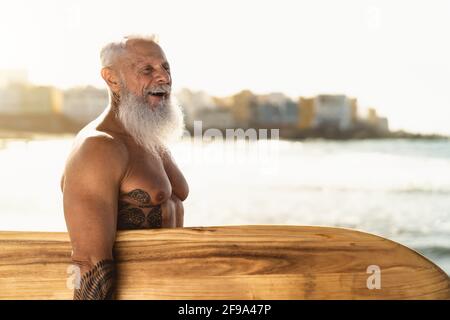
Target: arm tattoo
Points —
{"points": [[132, 216], [98, 283]]}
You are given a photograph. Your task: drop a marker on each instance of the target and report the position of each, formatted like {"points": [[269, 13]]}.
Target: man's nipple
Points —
{"points": [[160, 196]]}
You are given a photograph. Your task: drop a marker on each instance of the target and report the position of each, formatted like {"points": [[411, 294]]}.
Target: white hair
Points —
{"points": [[112, 50]]}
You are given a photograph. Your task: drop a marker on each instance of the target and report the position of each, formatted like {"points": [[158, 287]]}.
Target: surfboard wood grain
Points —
{"points": [[229, 262]]}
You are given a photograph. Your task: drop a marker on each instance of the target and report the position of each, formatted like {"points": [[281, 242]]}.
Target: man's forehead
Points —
{"points": [[142, 51]]}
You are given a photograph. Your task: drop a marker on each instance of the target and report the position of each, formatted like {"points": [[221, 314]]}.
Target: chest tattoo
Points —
{"points": [[137, 212]]}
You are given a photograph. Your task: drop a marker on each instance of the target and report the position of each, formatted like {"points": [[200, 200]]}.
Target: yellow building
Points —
{"points": [[243, 107], [42, 100], [381, 124], [372, 116], [354, 107], [306, 113], [28, 99]]}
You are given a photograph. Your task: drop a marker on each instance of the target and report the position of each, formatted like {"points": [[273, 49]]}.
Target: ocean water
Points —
{"points": [[399, 189]]}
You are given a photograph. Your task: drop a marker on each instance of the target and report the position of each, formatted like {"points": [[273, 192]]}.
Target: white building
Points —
{"points": [[84, 104], [383, 125], [333, 110], [194, 103], [28, 99], [12, 99], [219, 118]]}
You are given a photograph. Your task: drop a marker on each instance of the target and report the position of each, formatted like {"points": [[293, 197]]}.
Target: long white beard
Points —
{"points": [[153, 128]]}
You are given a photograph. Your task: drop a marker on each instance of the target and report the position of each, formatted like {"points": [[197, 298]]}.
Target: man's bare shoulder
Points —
{"points": [[97, 151], [104, 144]]}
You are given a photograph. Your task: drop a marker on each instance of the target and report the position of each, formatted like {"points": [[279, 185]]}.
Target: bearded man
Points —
{"points": [[120, 174]]}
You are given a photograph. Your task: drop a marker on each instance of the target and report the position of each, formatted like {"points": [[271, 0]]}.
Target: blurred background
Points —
{"points": [[357, 89]]}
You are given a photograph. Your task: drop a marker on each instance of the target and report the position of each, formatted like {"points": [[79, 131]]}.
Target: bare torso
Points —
{"points": [[152, 187]]}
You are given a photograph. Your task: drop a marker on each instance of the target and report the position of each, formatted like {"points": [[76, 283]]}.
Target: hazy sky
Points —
{"points": [[393, 55]]}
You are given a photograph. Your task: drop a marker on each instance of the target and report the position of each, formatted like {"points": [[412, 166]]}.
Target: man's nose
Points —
{"points": [[162, 76]]}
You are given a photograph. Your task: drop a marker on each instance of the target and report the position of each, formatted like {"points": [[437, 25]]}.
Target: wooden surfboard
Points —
{"points": [[232, 262]]}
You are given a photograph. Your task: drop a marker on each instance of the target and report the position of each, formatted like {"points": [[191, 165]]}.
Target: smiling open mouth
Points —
{"points": [[158, 94]]}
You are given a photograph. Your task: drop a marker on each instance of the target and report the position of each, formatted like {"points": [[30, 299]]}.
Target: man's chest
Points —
{"points": [[144, 187], [149, 181], [146, 182]]}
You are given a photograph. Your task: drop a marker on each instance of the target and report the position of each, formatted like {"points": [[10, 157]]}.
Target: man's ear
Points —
{"points": [[111, 78]]}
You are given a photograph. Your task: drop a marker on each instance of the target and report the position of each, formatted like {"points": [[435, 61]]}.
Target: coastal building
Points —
{"points": [[380, 124], [372, 117], [267, 114], [12, 99], [333, 111], [325, 111], [218, 118], [243, 108], [83, 104], [290, 113], [194, 103], [275, 110], [306, 113], [27, 99], [42, 100], [383, 125], [354, 110]]}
